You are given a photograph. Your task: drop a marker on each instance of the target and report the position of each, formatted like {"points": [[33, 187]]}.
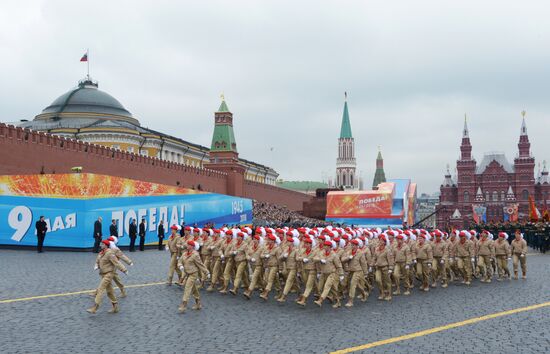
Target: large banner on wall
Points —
{"points": [[72, 203], [359, 204]]}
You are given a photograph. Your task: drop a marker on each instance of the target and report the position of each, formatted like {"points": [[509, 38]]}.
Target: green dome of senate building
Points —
{"points": [[84, 102]]}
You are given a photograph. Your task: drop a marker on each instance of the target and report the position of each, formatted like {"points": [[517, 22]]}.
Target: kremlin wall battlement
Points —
{"points": [[24, 151]]}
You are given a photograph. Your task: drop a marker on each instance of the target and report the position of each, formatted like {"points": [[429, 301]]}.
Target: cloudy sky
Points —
{"points": [[412, 69]]}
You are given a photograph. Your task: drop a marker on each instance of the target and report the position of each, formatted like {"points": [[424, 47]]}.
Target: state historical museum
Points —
{"points": [[493, 190]]}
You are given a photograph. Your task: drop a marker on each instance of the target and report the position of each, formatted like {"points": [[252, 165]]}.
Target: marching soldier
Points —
{"points": [[502, 253], [107, 263], [441, 256], [329, 265], [309, 278], [254, 258], [270, 255], [171, 246], [357, 267], [519, 255], [403, 260], [215, 247], [384, 263], [239, 254], [464, 255], [424, 258], [486, 251], [288, 257], [190, 265], [228, 259]]}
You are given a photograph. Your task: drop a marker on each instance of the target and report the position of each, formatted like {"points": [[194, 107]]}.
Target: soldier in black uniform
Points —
{"points": [[41, 228], [132, 232], [142, 235], [98, 234]]}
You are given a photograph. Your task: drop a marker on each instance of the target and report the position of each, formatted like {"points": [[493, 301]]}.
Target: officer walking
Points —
{"points": [[132, 232], [113, 228], [161, 234], [98, 234], [142, 235], [41, 229]]}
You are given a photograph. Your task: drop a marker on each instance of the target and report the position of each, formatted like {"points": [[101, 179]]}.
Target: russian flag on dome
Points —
{"points": [[84, 57]]}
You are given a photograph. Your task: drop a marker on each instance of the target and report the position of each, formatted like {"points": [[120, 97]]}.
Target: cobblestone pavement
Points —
{"points": [[149, 322]]}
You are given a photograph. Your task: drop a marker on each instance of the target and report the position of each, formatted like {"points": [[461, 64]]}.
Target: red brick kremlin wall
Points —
{"points": [[23, 151]]}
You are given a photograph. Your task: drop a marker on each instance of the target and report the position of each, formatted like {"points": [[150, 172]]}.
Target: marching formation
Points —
{"points": [[333, 263]]}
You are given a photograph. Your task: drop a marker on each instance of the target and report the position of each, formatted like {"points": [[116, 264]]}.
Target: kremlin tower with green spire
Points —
{"points": [[379, 175], [345, 163]]}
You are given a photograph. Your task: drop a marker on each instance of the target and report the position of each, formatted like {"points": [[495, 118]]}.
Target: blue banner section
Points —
{"points": [[71, 221]]}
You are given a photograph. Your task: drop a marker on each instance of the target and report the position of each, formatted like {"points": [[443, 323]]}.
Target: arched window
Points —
{"points": [[351, 179], [337, 179], [487, 196], [495, 196], [344, 179], [502, 195], [466, 196], [525, 194]]}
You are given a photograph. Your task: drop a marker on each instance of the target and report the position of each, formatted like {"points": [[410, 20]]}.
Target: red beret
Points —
{"points": [[196, 229], [272, 237], [400, 237], [290, 239], [336, 239], [229, 232], [191, 243], [328, 243], [307, 240], [256, 237], [106, 242], [289, 233], [188, 228], [174, 227], [355, 241], [241, 234]]}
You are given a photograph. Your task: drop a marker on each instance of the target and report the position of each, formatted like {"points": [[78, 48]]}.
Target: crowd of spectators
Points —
{"points": [[274, 215]]}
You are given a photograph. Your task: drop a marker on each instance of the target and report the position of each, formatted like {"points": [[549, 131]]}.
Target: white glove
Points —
{"points": [[390, 271], [318, 276], [341, 278], [522, 255], [370, 269], [211, 247], [285, 255], [166, 248], [407, 266], [222, 257], [267, 256], [429, 265], [306, 260], [96, 267], [442, 261], [208, 276], [234, 253], [473, 260], [177, 258], [252, 259], [126, 272], [451, 259], [323, 261], [350, 257], [181, 268], [414, 261], [509, 258]]}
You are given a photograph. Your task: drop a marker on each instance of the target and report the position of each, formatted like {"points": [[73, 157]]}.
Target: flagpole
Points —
{"points": [[88, 62]]}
